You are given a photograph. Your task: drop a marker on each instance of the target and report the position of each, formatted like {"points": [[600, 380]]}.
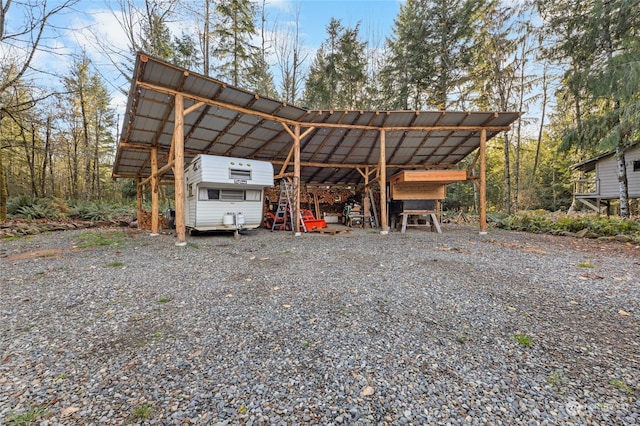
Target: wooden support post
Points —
{"points": [[382, 178], [296, 179], [139, 193], [154, 191], [483, 182], [178, 169], [366, 201]]}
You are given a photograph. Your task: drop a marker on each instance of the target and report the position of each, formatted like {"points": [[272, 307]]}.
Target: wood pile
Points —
{"points": [[325, 196], [144, 220]]}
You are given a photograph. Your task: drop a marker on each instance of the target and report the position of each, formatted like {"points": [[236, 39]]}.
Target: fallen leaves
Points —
{"points": [[518, 246]]}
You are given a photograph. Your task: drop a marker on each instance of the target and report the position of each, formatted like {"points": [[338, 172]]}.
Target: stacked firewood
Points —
{"points": [[325, 196], [144, 220]]}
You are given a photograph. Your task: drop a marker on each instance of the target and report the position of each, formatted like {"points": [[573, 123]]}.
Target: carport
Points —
{"points": [[174, 114]]}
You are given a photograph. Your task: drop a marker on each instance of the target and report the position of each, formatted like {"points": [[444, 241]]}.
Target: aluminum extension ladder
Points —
{"points": [[284, 207]]}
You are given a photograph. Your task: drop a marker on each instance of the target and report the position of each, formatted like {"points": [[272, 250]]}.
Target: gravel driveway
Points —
{"points": [[117, 327]]}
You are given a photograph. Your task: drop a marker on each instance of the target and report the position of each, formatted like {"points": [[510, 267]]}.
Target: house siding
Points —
{"points": [[607, 174]]}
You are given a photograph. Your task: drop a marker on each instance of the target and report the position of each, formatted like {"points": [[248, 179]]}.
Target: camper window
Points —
{"points": [[636, 166], [239, 174], [209, 194], [231, 195], [253, 195]]}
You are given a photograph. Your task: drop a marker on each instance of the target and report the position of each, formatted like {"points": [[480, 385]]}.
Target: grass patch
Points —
{"points": [[586, 264], [523, 340], [96, 239], [555, 379], [193, 245], [622, 386], [165, 300], [115, 264], [28, 417], [461, 340], [143, 412], [10, 238], [47, 254]]}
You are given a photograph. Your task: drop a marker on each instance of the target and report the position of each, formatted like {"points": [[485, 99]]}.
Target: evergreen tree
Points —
{"points": [[430, 53], [234, 32], [337, 75], [88, 123], [600, 41], [185, 52], [259, 77], [156, 37]]}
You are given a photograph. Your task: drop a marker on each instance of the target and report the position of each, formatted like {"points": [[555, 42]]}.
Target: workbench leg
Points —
{"points": [[404, 222], [434, 222]]}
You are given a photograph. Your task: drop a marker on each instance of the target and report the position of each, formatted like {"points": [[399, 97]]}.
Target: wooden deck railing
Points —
{"points": [[586, 187]]}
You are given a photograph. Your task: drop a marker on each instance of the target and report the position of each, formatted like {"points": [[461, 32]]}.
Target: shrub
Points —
{"points": [[98, 210], [27, 207], [544, 222]]}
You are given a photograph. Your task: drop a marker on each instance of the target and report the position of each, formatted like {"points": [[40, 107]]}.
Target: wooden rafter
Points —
{"points": [[165, 118]]}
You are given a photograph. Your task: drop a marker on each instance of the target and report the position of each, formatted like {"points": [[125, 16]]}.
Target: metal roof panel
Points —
{"points": [[236, 122]]}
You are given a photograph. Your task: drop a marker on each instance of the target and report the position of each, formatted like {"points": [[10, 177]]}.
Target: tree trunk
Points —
{"points": [[3, 191], [507, 177], [541, 128], [86, 147], [28, 155], [97, 189], [622, 181], [45, 158], [206, 36]]}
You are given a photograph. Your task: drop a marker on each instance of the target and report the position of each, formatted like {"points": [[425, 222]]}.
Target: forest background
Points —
{"points": [[572, 67]]}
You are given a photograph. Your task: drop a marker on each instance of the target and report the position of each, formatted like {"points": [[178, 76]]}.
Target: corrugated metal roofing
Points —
{"points": [[233, 122]]}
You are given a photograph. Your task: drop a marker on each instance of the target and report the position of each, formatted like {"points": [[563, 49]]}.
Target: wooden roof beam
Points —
{"points": [[291, 122]]}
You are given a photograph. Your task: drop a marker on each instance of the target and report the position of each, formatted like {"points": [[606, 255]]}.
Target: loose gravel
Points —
{"points": [[115, 327]]}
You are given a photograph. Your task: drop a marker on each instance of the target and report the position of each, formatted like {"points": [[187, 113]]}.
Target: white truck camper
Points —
{"points": [[225, 193]]}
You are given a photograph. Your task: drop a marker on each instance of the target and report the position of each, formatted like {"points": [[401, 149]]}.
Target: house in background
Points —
{"points": [[598, 184]]}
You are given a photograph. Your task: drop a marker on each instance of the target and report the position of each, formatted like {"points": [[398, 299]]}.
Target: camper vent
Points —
{"points": [[240, 174]]}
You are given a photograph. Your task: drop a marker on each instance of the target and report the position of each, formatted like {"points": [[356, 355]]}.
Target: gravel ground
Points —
{"points": [[117, 327]]}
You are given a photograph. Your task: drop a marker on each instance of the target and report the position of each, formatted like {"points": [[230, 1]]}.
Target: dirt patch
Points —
{"points": [[34, 254]]}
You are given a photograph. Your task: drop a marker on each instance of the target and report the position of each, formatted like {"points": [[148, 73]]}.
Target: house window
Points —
{"points": [[636, 165]]}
